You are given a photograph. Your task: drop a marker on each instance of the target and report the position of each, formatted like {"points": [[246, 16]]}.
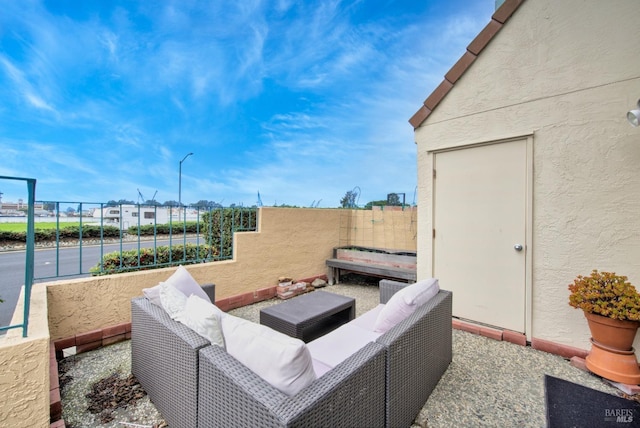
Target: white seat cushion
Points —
{"points": [[335, 347], [368, 319], [320, 368], [283, 361]]}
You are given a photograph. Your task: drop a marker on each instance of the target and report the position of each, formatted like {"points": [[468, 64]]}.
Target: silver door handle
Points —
{"points": [[517, 247]]}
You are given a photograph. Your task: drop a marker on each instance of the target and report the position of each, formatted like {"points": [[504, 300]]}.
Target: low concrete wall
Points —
{"points": [[289, 242], [24, 378]]}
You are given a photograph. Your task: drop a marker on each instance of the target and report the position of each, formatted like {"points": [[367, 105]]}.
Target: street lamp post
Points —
{"points": [[184, 218], [180, 180]]}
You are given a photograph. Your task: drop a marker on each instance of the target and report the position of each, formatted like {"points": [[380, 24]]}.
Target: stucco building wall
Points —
{"points": [[566, 73]]}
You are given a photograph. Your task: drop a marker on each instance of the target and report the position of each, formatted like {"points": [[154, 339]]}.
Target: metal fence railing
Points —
{"points": [[124, 238], [29, 254], [85, 238]]}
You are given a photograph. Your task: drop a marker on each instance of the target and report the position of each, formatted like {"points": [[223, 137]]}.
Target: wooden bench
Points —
{"points": [[374, 262]]}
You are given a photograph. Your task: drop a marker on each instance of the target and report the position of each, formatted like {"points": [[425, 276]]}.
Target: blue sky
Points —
{"points": [[300, 101]]}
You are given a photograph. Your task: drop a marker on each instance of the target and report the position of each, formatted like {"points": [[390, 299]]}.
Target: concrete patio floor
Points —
{"points": [[489, 382]]}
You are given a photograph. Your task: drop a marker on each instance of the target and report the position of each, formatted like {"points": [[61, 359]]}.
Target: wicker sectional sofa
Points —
{"points": [[385, 383], [164, 359]]}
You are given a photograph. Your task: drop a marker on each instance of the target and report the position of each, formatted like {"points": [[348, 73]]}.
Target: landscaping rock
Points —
{"points": [[319, 283]]}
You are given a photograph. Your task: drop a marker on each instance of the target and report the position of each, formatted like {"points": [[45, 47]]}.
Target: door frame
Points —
{"points": [[528, 276]]}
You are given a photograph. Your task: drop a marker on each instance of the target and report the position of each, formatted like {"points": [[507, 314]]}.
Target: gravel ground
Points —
{"points": [[488, 383]]}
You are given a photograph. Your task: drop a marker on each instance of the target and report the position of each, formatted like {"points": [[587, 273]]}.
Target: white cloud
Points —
{"points": [[299, 100], [24, 87]]}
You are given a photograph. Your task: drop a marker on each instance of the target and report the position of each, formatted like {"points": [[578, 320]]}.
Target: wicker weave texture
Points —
{"points": [[419, 350], [164, 359], [350, 395], [384, 384], [388, 288]]}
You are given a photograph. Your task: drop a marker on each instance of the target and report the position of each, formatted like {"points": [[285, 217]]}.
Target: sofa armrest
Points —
{"points": [[428, 334], [210, 289], [164, 359], [388, 288], [351, 394]]}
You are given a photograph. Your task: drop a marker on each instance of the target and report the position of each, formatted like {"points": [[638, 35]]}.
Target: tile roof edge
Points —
{"points": [[498, 20]]}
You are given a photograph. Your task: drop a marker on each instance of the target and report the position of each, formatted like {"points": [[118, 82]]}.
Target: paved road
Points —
{"points": [[70, 263]]}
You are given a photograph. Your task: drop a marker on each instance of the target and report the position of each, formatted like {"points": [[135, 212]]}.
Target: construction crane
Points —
{"points": [[141, 196]]}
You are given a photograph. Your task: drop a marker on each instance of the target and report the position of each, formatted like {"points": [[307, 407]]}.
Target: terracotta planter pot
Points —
{"points": [[612, 355], [612, 333]]}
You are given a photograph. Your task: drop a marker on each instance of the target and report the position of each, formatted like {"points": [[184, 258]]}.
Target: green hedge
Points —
{"points": [[164, 229], [67, 232], [91, 231], [220, 224], [164, 256]]}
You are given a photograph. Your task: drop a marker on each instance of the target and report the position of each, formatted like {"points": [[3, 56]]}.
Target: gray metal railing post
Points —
{"points": [[184, 233], [29, 254], [101, 237], [57, 238], [28, 275], [80, 240]]}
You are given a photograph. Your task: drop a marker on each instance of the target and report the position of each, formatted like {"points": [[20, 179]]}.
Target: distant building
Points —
{"points": [[15, 209]]}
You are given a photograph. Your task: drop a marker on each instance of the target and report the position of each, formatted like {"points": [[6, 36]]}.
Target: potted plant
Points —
{"points": [[612, 308]]}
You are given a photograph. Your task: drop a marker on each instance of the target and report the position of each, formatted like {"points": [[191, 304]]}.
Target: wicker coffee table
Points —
{"points": [[309, 316]]}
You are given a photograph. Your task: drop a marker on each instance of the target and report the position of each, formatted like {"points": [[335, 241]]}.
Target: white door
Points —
{"points": [[480, 206]]}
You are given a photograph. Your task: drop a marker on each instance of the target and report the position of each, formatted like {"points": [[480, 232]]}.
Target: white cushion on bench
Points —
{"points": [[319, 367], [204, 318], [368, 319], [283, 361], [335, 347], [172, 300]]}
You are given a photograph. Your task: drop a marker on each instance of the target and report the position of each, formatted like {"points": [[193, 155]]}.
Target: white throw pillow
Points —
{"points": [[203, 318], [173, 300], [404, 303], [283, 361], [182, 280], [153, 294]]}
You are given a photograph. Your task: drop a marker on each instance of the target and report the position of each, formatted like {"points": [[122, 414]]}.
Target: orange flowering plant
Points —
{"points": [[606, 294]]}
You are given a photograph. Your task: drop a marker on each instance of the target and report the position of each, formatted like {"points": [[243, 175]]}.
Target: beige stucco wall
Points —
{"points": [[567, 73], [289, 242], [24, 377]]}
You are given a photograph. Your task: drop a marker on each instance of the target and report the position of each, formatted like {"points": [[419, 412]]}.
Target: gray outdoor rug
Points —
{"points": [[572, 405]]}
